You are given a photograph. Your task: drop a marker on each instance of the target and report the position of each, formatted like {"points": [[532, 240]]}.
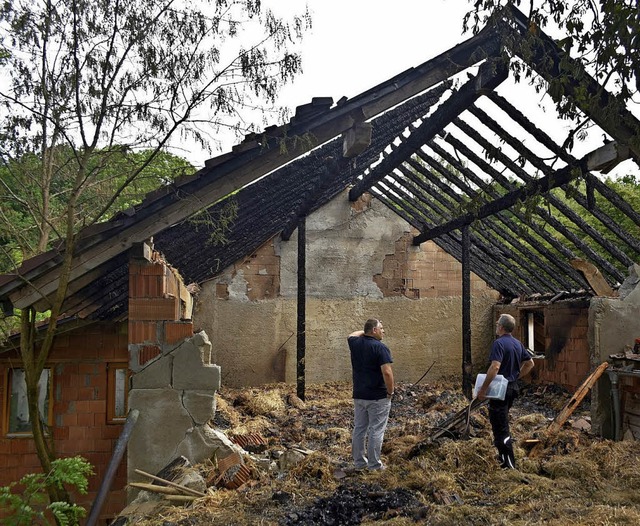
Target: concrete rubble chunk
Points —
{"points": [[203, 442]]}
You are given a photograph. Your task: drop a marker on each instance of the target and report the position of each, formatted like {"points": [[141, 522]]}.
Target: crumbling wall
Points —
{"points": [[614, 324], [173, 376], [175, 394], [356, 255]]}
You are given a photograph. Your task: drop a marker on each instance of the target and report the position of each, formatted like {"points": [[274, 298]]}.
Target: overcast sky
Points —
{"points": [[356, 44]]}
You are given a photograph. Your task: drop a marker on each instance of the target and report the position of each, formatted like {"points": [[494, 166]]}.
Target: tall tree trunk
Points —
{"points": [[32, 371]]}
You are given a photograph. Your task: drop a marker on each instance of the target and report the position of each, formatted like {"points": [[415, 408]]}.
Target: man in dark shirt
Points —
{"points": [[372, 392], [510, 359]]}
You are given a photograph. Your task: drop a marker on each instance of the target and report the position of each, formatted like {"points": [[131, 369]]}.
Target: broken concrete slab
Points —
{"points": [[155, 375], [201, 405]]}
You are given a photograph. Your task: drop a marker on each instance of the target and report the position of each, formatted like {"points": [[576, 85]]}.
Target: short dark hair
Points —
{"points": [[370, 324], [507, 322]]}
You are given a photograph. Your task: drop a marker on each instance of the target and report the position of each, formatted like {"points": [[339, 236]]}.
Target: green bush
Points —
{"points": [[29, 506]]}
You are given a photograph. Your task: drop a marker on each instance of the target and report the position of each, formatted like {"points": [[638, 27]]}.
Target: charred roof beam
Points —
{"points": [[510, 226], [592, 181], [537, 163], [491, 74], [436, 194], [541, 185], [511, 165]]}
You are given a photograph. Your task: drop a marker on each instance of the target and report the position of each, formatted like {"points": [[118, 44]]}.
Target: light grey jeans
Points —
{"points": [[369, 422]]}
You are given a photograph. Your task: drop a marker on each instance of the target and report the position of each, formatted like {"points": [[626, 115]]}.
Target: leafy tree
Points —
{"points": [[20, 235], [600, 36], [84, 81]]}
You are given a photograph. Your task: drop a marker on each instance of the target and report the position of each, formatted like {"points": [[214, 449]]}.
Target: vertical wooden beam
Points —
{"points": [[302, 294], [467, 380]]}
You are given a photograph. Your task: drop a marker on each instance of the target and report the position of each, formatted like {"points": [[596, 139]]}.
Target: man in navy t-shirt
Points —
{"points": [[372, 392], [510, 359]]}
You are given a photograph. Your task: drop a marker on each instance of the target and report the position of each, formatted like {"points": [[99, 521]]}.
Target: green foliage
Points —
{"points": [[219, 224], [602, 36], [26, 500], [20, 228]]}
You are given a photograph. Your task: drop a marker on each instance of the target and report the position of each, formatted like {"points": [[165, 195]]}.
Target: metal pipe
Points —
{"points": [[615, 398], [118, 453]]}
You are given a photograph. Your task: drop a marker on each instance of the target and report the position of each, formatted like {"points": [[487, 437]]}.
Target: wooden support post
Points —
{"points": [[467, 381], [302, 293]]}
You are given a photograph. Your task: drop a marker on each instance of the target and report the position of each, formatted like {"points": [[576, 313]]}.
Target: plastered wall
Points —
{"points": [[614, 324], [360, 264]]}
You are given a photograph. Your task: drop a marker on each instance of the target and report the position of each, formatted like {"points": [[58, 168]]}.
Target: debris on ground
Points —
{"points": [[295, 467]]}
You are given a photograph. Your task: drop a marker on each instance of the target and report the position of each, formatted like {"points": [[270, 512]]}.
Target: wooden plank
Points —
{"points": [[169, 483], [594, 277], [167, 490], [575, 400]]}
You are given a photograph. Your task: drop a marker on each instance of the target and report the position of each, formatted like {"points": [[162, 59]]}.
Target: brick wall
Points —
{"points": [[261, 270], [567, 359], [426, 271], [79, 363]]}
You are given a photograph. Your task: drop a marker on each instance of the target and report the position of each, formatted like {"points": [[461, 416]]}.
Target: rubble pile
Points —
{"points": [[294, 456]]}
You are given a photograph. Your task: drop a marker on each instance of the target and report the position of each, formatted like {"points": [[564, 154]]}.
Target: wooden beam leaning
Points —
{"points": [[492, 73], [541, 185]]}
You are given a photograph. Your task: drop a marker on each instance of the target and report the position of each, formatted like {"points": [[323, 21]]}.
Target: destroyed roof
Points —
{"points": [[450, 152]]}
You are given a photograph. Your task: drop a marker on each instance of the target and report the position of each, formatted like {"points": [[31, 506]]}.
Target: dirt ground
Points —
{"points": [[571, 478]]}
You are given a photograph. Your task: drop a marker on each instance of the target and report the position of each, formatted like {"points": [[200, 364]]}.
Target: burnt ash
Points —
{"points": [[352, 503]]}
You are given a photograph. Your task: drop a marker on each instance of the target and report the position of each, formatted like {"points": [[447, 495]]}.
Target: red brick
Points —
{"points": [[112, 431], [103, 444], [20, 445], [70, 419], [154, 309], [83, 406], [61, 433], [88, 368], [85, 420], [177, 331], [76, 433], [30, 461]]}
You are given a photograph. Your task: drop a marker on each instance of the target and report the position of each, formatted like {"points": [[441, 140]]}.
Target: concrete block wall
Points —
{"points": [[79, 361], [614, 324]]}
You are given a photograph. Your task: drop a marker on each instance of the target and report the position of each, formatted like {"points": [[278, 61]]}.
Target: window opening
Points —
{"points": [[19, 419]]}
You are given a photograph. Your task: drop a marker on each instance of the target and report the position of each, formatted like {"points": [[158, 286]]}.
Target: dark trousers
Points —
{"points": [[499, 418]]}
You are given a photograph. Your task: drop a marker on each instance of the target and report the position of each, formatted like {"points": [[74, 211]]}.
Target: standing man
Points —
{"points": [[510, 359], [372, 392]]}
